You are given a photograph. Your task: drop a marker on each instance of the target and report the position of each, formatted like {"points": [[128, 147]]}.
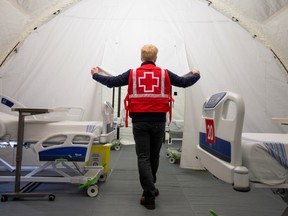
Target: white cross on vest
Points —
{"points": [[148, 81]]}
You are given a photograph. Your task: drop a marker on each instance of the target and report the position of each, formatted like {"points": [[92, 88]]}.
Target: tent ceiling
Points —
{"points": [[18, 18], [264, 19]]}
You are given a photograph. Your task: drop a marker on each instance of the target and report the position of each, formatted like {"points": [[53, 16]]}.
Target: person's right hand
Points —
{"points": [[94, 70], [195, 72]]}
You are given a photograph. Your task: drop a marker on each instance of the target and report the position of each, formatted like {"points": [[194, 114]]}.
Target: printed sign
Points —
{"points": [[210, 132]]}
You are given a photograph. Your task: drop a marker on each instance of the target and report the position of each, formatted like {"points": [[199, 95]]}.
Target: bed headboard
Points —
{"points": [[108, 117], [220, 134], [7, 103]]}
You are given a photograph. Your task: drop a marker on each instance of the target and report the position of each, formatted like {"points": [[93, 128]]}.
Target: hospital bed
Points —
{"points": [[244, 160], [175, 133], [62, 146], [60, 119]]}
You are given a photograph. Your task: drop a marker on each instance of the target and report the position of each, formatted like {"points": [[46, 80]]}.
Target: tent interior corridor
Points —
{"points": [[48, 47]]}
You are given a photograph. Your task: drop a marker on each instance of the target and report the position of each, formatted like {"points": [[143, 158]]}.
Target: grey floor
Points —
{"points": [[182, 192]]}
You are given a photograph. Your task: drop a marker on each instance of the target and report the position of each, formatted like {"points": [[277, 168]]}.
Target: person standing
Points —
{"points": [[148, 101]]}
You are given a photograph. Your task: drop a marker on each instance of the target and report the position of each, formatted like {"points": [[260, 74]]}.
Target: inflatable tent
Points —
{"points": [[48, 47]]}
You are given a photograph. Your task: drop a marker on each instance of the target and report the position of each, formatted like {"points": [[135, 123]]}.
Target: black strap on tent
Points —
{"points": [[275, 55], [14, 49]]}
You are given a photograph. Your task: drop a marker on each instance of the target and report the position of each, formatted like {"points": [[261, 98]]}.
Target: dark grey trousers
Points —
{"points": [[148, 138]]}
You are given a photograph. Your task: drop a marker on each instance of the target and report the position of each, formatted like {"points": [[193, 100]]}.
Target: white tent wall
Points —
{"points": [[50, 69], [52, 66], [232, 60], [90, 33]]}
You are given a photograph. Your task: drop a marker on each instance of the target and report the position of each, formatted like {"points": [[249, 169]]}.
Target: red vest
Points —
{"points": [[149, 90]]}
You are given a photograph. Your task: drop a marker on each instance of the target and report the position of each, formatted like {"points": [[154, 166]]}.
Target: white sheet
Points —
{"points": [[175, 129], [262, 166]]}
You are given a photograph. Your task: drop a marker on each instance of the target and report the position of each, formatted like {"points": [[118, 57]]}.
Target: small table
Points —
{"points": [[282, 121], [23, 112]]}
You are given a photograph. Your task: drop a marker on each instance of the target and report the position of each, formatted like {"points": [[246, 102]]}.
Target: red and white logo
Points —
{"points": [[149, 82], [210, 132]]}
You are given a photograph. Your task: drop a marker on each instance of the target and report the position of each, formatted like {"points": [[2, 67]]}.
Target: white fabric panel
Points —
{"points": [[122, 48]]}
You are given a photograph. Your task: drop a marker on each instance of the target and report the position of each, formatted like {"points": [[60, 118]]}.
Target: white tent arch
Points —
{"points": [[51, 66], [265, 20]]}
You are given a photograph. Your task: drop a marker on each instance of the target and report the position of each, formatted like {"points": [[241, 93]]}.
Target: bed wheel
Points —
{"points": [[92, 190], [168, 155], [283, 193], [51, 197], [172, 160], [4, 198], [117, 147], [103, 178]]}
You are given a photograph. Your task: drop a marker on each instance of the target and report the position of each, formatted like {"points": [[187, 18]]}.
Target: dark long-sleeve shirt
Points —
{"points": [[122, 80]]}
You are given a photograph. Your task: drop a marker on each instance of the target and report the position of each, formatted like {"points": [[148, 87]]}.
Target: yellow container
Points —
{"points": [[100, 156]]}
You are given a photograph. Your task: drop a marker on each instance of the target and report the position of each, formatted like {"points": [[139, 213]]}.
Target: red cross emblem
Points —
{"points": [[148, 82]]}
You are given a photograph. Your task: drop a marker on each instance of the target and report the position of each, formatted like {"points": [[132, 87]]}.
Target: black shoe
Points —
{"points": [[156, 192], [148, 203]]}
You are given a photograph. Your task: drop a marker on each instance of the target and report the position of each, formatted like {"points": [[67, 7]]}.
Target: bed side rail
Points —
{"points": [[70, 147]]}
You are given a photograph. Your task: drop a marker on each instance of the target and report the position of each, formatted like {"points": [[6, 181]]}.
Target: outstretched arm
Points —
{"points": [[110, 81], [184, 81]]}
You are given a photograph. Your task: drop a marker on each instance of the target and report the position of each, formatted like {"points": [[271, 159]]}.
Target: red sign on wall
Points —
{"points": [[210, 132]]}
